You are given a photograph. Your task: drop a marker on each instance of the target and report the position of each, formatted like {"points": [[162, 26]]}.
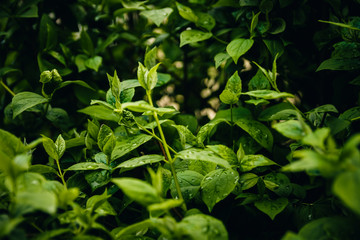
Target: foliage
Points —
{"points": [[101, 141]]}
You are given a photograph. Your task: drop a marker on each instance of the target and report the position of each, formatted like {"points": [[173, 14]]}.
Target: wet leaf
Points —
{"points": [[193, 36], [217, 185], [139, 191], [272, 207]]}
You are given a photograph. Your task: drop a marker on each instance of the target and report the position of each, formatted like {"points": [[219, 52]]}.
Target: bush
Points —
{"points": [[165, 119]]}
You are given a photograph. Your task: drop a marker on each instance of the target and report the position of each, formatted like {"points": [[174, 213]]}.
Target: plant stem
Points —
{"points": [[232, 126], [153, 135], [6, 87], [34, 143], [61, 175], [220, 40], [166, 147]]}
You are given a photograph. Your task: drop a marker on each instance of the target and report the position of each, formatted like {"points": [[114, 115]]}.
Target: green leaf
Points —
{"points": [[115, 85], [201, 226], [139, 191], [266, 6], [163, 78], [50, 148], [88, 166], [206, 21], [205, 131], [39, 168], [220, 58], [133, 229], [313, 163], [57, 56], [107, 42], [97, 178], [280, 111], [249, 162], [140, 161], [165, 205], [127, 145], [317, 138], [94, 63], [80, 62], [228, 97], [101, 112], [258, 131], [185, 135], [202, 155], [346, 187], [237, 113], [86, 43], [254, 22], [238, 47], [283, 186], [188, 121], [186, 13], [8, 70], [47, 33], [257, 102], [28, 12], [259, 81], [293, 129], [106, 139], [60, 146], [189, 182], [24, 101], [217, 185], [100, 205], [277, 25], [336, 227], [141, 75], [350, 114], [234, 84], [39, 200], [272, 207], [224, 152], [152, 77], [150, 57], [248, 180], [274, 46], [145, 108], [249, 3], [77, 82], [193, 36], [10, 144], [157, 15], [268, 94], [340, 64]]}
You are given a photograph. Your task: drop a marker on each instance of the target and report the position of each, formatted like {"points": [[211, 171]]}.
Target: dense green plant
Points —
{"points": [[108, 160]]}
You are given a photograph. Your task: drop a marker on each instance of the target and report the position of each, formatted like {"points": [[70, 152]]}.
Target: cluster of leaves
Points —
{"points": [[105, 162]]}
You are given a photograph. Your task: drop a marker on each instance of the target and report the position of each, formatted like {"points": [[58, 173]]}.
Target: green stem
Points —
{"points": [[36, 227], [6, 87], [153, 135], [298, 110], [220, 40], [61, 175], [34, 143], [46, 107], [166, 147], [232, 126]]}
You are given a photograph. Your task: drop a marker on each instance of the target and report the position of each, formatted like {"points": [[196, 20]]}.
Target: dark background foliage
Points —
{"points": [[85, 40]]}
